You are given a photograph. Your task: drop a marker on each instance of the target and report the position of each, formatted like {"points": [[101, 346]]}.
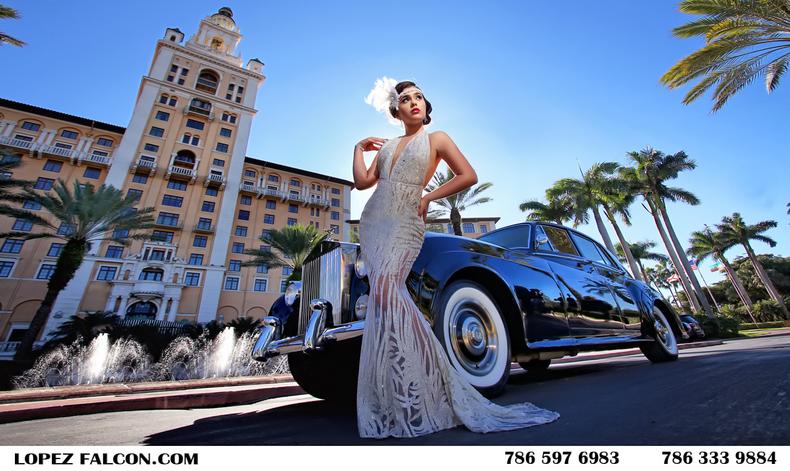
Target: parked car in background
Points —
{"points": [[530, 292], [692, 326]]}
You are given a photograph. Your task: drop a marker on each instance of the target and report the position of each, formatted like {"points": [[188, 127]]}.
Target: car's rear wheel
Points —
{"points": [[330, 374], [665, 345], [472, 331]]}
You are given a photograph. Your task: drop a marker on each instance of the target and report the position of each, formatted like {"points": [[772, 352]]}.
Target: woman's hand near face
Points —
{"points": [[371, 144], [365, 177]]}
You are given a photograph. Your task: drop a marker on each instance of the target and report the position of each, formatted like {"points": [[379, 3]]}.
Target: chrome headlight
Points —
{"points": [[293, 291], [360, 268], [361, 307]]}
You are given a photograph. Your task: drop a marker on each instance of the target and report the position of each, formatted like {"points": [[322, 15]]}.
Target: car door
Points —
{"points": [[592, 309]]}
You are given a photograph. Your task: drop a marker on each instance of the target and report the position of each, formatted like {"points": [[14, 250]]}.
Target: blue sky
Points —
{"points": [[526, 89]]}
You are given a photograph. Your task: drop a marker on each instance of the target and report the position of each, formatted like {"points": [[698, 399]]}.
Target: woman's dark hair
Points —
{"points": [[428, 108]]}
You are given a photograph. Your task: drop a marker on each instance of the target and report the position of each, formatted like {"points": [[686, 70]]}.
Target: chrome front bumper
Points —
{"points": [[315, 338]]}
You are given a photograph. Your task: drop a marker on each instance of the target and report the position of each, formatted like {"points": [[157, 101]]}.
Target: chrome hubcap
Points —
{"points": [[664, 333], [473, 337]]}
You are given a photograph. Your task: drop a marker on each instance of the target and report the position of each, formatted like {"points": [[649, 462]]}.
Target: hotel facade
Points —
{"points": [[183, 153]]}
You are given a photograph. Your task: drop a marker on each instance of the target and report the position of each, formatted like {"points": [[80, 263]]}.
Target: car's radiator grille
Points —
{"points": [[321, 278]]}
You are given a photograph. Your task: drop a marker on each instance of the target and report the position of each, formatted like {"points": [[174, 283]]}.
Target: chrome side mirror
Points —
{"points": [[540, 240]]}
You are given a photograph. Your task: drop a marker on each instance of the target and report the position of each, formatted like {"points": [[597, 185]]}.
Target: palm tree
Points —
{"points": [[706, 244], [744, 39], [556, 210], [6, 13], [458, 202], [585, 196], [10, 187], [617, 196], [641, 251], [79, 217], [291, 244], [735, 231], [652, 170]]}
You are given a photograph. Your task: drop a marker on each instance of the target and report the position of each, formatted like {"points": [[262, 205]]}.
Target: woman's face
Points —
{"points": [[411, 106]]}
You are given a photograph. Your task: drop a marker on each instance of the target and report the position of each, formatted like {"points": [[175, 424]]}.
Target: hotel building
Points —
{"points": [[183, 152]]}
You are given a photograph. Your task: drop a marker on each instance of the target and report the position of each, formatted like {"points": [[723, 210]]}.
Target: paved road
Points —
{"points": [[735, 393]]}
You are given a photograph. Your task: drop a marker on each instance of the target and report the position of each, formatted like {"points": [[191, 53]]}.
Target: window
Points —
{"points": [[483, 228], [222, 147], [156, 132], [560, 240], [293, 208], [262, 269], [61, 145], [265, 235], [151, 274], [192, 278], [177, 185], [335, 216], [204, 224], [274, 178], [283, 285], [104, 142], [54, 249], [45, 271], [335, 202], [332, 227], [100, 153], [219, 163], [22, 137], [91, 172], [120, 233], [229, 118], [162, 236], [510, 237], [66, 229], [31, 205], [12, 246], [232, 283], [268, 218], [53, 166], [163, 99], [44, 183], [68, 134], [162, 115], [468, 227], [173, 101], [195, 124], [31, 126], [295, 182], [287, 271], [158, 255], [114, 251], [170, 200], [200, 241], [207, 82], [291, 221], [234, 265], [208, 206], [271, 204], [212, 191], [151, 147], [195, 259], [225, 132], [260, 284], [140, 178], [10, 158], [241, 231], [335, 191], [167, 219], [22, 225], [244, 215], [106, 273], [589, 249], [238, 247], [245, 200], [5, 269]]}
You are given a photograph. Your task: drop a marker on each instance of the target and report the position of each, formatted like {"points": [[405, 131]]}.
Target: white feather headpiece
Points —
{"points": [[382, 96]]}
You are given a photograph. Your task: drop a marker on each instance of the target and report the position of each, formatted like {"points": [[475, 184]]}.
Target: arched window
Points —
{"points": [[142, 309], [151, 274], [207, 81], [185, 157]]}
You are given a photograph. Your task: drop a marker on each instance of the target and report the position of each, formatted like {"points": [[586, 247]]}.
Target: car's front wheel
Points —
{"points": [[470, 327], [665, 344]]}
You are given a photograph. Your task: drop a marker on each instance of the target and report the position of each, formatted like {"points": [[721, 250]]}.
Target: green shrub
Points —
{"points": [[767, 310], [722, 327]]}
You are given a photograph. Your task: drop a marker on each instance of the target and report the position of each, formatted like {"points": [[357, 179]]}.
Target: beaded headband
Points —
{"points": [[383, 96]]}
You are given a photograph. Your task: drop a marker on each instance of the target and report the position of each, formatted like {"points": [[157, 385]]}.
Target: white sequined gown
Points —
{"points": [[407, 386]]}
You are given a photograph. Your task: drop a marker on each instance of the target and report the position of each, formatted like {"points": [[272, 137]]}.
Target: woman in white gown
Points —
{"points": [[407, 386]]}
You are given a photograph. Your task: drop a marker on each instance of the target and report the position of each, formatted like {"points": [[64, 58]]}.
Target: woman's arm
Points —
{"points": [[465, 176], [364, 177]]}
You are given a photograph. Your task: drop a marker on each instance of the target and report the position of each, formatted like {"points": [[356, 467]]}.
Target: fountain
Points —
{"points": [[125, 361]]}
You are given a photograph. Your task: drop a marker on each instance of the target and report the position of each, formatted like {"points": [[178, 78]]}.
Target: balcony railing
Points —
{"points": [[59, 151], [248, 187], [201, 111], [9, 347], [13, 142], [168, 224], [143, 165], [205, 85], [182, 171], [99, 159], [205, 228], [275, 193], [215, 180]]}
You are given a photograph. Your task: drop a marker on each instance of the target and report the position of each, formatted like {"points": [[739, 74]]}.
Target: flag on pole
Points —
{"points": [[673, 279], [716, 266], [693, 263]]}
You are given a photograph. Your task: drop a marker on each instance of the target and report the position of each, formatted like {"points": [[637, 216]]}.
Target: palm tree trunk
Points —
{"points": [[673, 256], [602, 230], [736, 283], [642, 270], [626, 249], [455, 219], [769, 285], [697, 289], [68, 262]]}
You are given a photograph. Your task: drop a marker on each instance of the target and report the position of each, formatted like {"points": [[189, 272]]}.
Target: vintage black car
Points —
{"points": [[529, 293]]}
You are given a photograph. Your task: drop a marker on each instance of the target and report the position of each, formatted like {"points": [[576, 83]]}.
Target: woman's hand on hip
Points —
{"points": [[422, 209]]}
